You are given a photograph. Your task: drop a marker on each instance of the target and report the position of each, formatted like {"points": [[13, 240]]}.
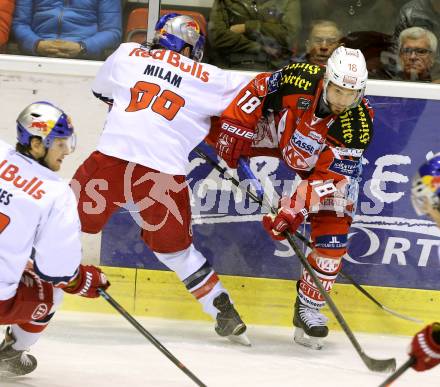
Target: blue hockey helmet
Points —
{"points": [[175, 32], [426, 186], [46, 121]]}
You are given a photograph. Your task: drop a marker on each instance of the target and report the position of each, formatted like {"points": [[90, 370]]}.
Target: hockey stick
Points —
{"points": [[264, 202], [377, 365], [350, 279], [302, 238], [149, 337], [398, 372], [255, 182]]}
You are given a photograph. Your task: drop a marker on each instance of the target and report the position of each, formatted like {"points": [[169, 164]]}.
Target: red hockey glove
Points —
{"points": [[287, 219], [87, 282], [425, 347], [234, 141]]}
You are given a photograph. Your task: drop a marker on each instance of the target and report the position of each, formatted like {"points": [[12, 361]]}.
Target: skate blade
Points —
{"points": [[307, 341], [4, 375], [240, 339]]}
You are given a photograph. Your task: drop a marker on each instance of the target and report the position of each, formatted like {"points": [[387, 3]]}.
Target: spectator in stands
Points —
{"points": [[74, 29], [351, 16], [256, 35], [419, 13], [324, 38], [417, 53], [6, 12]]}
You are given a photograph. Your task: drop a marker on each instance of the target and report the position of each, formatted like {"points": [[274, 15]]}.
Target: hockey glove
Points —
{"points": [[425, 347], [234, 141], [287, 219], [87, 282]]}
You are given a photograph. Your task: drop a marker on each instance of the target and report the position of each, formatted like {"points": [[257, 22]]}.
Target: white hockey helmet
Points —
{"points": [[347, 68]]}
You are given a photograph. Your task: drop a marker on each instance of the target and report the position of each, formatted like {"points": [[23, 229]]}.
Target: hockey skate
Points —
{"points": [[229, 324], [309, 321], [13, 362]]}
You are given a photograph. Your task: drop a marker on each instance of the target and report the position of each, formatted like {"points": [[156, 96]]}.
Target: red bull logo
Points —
{"points": [[432, 182], [10, 173], [193, 25], [43, 127]]}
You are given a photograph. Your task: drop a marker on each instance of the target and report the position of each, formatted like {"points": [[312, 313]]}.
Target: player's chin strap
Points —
{"points": [[260, 198], [377, 365]]}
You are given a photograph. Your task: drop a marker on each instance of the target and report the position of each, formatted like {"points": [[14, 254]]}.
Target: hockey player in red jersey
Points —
{"points": [[161, 100], [38, 218], [318, 122]]}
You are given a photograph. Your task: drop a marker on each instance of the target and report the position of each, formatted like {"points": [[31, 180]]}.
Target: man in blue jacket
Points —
{"points": [[67, 29]]}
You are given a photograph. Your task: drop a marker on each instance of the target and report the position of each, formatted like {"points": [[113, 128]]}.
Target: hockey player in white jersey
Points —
{"points": [[161, 100], [425, 193], [424, 350], [38, 218]]}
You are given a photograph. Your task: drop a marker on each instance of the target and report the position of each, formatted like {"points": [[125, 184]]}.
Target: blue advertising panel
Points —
{"points": [[389, 245]]}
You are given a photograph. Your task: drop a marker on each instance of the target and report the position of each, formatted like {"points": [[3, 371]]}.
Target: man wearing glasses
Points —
{"points": [[417, 54], [323, 39]]}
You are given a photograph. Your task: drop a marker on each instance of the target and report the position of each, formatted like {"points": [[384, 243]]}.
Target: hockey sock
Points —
{"points": [[196, 274]]}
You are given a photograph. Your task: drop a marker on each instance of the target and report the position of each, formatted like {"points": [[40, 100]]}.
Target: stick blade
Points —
{"points": [[379, 365], [402, 316]]}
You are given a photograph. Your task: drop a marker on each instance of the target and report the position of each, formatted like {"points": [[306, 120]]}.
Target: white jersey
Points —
{"points": [[37, 211], [162, 104]]}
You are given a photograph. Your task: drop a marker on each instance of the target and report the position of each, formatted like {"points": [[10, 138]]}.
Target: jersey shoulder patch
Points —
{"points": [[301, 78], [352, 129], [273, 83]]}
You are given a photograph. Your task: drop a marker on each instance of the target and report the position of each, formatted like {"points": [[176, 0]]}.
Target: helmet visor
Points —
{"points": [[66, 145]]}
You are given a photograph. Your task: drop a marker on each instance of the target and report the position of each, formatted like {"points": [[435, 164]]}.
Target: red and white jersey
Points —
{"points": [[162, 104], [283, 106], [37, 211]]}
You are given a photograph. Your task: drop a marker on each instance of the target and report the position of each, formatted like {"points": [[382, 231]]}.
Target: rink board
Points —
{"points": [[157, 293], [389, 245], [392, 252], [392, 248]]}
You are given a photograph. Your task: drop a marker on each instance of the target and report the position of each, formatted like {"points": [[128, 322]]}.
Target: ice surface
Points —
{"points": [[84, 349]]}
